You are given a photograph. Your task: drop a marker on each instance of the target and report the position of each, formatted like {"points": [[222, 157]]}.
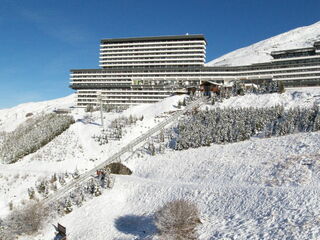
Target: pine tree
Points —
{"points": [[161, 136], [62, 181], [31, 193], [151, 149], [281, 87], [67, 206], [76, 174]]}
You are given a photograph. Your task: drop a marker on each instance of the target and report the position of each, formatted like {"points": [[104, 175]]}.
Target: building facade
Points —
{"points": [[148, 69]]}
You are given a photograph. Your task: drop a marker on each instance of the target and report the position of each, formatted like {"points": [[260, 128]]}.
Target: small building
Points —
{"points": [[210, 87]]}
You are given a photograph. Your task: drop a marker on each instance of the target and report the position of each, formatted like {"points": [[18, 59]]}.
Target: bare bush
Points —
{"points": [[25, 221], [177, 220], [11, 205]]}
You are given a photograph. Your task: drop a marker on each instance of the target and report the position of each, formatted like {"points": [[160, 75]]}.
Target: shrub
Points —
{"points": [[281, 87], [177, 220], [27, 220], [11, 205], [89, 108]]}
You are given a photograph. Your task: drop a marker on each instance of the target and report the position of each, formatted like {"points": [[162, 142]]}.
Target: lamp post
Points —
{"points": [[99, 98]]}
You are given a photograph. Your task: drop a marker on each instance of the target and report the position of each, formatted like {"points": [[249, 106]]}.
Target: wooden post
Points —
{"points": [[62, 231]]}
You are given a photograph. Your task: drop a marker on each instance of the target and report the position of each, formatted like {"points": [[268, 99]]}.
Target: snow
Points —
{"points": [[294, 97], [12, 117], [260, 52], [263, 188], [228, 183], [73, 149]]}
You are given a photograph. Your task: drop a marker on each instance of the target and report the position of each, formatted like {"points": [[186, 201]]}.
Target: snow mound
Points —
{"points": [[260, 52]]}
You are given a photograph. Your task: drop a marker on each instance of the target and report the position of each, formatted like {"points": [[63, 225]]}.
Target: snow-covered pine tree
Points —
{"points": [[67, 206], [76, 174]]}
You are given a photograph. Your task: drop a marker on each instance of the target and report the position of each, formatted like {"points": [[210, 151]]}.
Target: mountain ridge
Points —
{"points": [[260, 52]]}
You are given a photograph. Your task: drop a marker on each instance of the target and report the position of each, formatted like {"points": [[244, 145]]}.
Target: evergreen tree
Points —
{"points": [[67, 206]]}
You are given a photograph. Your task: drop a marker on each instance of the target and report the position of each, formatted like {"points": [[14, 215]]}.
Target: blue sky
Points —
{"points": [[41, 40]]}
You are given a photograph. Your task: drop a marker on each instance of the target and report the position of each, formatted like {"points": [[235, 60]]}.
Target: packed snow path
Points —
{"points": [[115, 157]]}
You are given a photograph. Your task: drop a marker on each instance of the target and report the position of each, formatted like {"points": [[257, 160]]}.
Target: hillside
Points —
{"points": [[260, 52], [10, 118], [73, 149], [259, 188]]}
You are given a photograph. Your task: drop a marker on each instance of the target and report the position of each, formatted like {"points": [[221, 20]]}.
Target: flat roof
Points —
{"points": [[155, 38]]}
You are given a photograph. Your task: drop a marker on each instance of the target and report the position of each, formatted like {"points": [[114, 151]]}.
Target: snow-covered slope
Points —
{"points": [[303, 97], [229, 183], [10, 118], [260, 52], [246, 190], [73, 149]]}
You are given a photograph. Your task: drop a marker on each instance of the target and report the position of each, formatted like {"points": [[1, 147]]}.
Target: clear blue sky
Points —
{"points": [[41, 40]]}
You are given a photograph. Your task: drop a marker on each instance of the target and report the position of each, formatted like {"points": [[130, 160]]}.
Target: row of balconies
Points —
{"points": [[160, 48], [147, 57], [153, 52], [147, 60], [135, 64], [161, 80], [152, 46], [298, 77], [292, 59], [187, 74], [126, 92], [144, 55], [297, 73], [127, 99], [124, 78], [167, 73]]}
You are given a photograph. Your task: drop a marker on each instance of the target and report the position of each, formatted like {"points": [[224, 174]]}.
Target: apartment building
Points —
{"points": [[148, 69]]}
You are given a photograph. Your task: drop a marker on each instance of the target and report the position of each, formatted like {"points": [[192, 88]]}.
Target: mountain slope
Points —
{"points": [[10, 118], [260, 51], [255, 189]]}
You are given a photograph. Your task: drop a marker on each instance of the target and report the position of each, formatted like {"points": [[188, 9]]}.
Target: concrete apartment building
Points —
{"points": [[148, 69]]}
